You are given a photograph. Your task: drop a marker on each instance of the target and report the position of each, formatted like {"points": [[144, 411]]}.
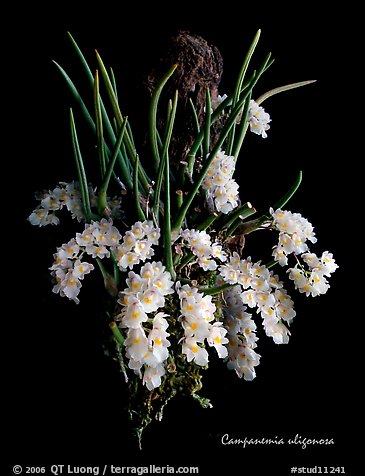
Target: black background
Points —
{"points": [[64, 397]]}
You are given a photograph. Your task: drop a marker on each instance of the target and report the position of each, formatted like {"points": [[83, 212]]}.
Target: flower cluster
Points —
{"points": [[258, 119], [200, 244], [68, 269], [146, 348], [313, 281], [67, 195], [219, 184], [294, 231], [99, 240], [241, 335], [137, 245], [264, 290], [197, 313]]}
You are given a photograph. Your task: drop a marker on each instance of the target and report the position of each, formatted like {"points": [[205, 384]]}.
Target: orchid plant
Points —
{"points": [[179, 286]]}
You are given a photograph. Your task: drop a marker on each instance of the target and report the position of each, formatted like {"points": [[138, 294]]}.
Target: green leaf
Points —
{"points": [[102, 205], [242, 73], [77, 96], [99, 126], [197, 126], [114, 83], [207, 222], [284, 199], [109, 282], [110, 90], [140, 213], [80, 170], [153, 116], [91, 123], [241, 212], [238, 221], [167, 215], [237, 91], [242, 129], [213, 291], [207, 123], [162, 164], [118, 115], [109, 129], [281, 89]]}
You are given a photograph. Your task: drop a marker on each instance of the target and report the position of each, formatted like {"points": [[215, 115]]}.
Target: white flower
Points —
{"points": [[96, 251], [135, 283], [249, 298], [70, 287], [217, 339], [194, 352], [42, 217], [201, 246], [129, 240], [229, 274], [160, 351], [81, 268], [152, 376], [328, 263], [242, 359], [218, 253], [319, 283], [277, 330], [195, 326], [216, 101], [258, 119], [264, 299], [207, 264], [284, 312], [134, 314], [298, 276], [85, 238], [162, 283], [136, 344], [151, 300], [128, 260]]}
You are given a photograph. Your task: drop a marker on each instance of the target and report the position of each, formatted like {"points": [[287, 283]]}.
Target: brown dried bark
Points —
{"points": [[200, 66]]}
